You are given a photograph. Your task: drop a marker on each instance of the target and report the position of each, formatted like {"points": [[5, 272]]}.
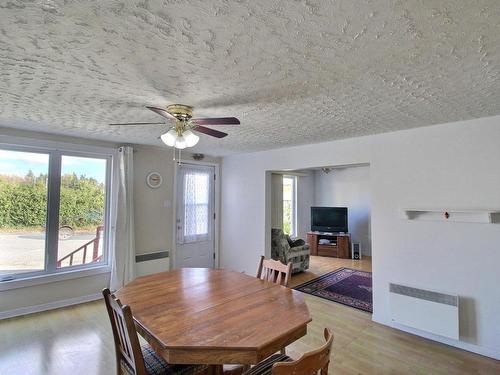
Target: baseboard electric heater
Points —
{"points": [[147, 264], [425, 310]]}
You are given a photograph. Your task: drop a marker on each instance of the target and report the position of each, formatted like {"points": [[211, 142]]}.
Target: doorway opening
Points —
{"points": [[328, 210]]}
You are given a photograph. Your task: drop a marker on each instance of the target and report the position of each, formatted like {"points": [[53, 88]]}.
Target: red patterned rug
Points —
{"points": [[345, 285]]}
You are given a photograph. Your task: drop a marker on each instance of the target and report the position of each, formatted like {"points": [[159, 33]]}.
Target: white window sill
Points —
{"points": [[53, 277]]}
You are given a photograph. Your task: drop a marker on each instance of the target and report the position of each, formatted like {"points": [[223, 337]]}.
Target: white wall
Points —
{"points": [[34, 298], [153, 208], [305, 200], [348, 187], [454, 165]]}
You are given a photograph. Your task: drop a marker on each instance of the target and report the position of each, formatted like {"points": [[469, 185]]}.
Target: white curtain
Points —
{"points": [[123, 240], [277, 201], [195, 189]]}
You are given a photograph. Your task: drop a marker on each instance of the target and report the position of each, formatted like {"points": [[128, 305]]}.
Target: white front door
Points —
{"points": [[195, 216]]}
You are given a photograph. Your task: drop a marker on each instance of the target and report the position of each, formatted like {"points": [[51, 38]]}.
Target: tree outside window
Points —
{"points": [[289, 205]]}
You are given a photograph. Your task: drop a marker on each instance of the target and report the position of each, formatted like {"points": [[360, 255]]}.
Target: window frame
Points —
{"points": [[294, 203], [56, 150]]}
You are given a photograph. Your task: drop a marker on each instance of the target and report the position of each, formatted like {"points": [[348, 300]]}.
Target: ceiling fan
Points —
{"points": [[181, 135]]}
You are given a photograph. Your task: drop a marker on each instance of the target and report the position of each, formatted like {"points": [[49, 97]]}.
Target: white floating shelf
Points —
{"points": [[456, 215]]}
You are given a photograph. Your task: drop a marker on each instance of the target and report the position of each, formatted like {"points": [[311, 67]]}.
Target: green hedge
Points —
{"points": [[23, 202]]}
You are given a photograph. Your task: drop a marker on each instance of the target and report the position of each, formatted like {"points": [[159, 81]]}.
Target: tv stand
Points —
{"points": [[338, 244]]}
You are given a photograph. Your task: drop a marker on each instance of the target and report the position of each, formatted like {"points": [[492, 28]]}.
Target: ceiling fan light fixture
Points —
{"points": [[186, 139], [190, 138], [181, 135], [169, 137]]}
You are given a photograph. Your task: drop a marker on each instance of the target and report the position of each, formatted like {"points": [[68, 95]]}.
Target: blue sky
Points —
{"points": [[19, 163]]}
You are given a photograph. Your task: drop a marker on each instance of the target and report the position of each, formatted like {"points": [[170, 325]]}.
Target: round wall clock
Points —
{"points": [[154, 180]]}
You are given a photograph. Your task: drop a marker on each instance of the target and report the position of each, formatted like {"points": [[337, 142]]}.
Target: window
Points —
{"points": [[53, 211], [196, 200], [195, 210], [289, 205], [23, 211]]}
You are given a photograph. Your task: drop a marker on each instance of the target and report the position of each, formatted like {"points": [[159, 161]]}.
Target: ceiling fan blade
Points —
{"points": [[161, 112], [216, 121], [211, 132], [138, 123]]}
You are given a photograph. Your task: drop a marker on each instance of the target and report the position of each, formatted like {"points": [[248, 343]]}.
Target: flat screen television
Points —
{"points": [[329, 219]]}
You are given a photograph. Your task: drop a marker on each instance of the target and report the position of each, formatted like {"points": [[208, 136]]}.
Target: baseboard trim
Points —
{"points": [[477, 349], [48, 306]]}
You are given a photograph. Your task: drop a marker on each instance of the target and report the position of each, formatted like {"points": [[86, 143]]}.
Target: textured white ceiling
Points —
{"points": [[293, 71]]}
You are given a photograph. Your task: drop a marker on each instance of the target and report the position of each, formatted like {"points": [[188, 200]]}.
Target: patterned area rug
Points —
{"points": [[345, 285]]}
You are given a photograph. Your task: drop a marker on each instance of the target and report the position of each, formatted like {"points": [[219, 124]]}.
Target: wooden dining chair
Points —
{"points": [[308, 364], [131, 357], [274, 271]]}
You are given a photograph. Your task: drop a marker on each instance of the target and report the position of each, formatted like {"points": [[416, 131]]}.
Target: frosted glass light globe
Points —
{"points": [[169, 137], [191, 138], [180, 143]]}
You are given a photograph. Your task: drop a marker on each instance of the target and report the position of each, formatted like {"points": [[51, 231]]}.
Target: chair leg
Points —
{"points": [[324, 370]]}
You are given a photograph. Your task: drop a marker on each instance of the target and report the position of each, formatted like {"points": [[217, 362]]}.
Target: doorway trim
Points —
{"points": [[216, 210]]}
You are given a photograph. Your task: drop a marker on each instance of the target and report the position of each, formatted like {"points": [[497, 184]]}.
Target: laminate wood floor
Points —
{"points": [[77, 340]]}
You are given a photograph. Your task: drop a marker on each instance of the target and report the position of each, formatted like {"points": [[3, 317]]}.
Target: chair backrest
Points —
{"points": [[309, 363], [127, 345], [274, 271]]}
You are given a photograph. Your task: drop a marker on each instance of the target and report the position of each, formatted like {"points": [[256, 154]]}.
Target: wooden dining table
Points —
{"points": [[214, 316]]}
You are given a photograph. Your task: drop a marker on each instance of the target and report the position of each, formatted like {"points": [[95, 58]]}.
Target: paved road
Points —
{"points": [[26, 252]]}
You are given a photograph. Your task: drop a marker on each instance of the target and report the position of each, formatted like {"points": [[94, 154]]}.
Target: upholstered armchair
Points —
{"points": [[286, 250]]}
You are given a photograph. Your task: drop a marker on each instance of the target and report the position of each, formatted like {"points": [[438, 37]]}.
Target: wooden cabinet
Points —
{"points": [[339, 244], [313, 243]]}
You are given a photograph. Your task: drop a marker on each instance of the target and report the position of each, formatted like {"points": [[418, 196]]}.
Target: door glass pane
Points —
{"points": [[195, 204], [23, 211], [81, 211], [196, 201]]}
